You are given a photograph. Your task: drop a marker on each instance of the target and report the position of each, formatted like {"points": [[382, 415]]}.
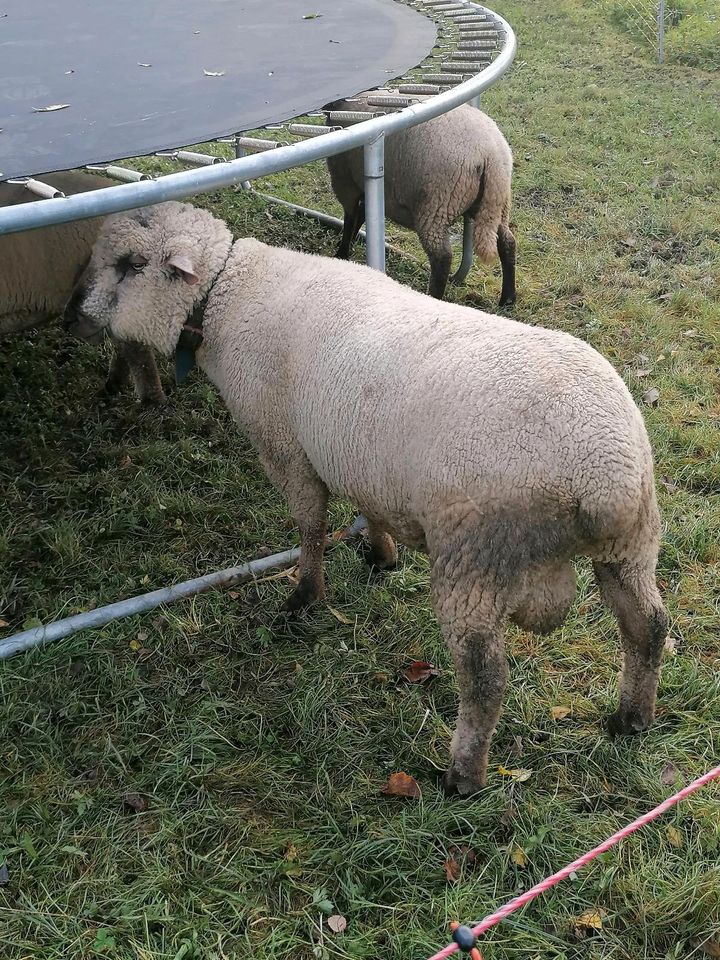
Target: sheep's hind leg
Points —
{"points": [[352, 223], [630, 591], [292, 474], [439, 253], [506, 251], [471, 614]]}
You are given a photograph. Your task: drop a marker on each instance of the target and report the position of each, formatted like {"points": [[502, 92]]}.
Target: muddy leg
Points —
{"points": [[144, 372], [471, 615], [631, 593], [119, 372], [382, 551], [439, 253], [351, 227], [506, 251], [292, 474]]}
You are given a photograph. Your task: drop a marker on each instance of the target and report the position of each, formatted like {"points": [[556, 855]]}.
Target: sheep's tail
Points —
{"points": [[491, 208]]}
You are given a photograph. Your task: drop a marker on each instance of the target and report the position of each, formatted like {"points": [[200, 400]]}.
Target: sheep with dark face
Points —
{"points": [[458, 164], [502, 450], [38, 270]]}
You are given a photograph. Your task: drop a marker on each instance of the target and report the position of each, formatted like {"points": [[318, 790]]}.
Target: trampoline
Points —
{"points": [[133, 78], [222, 67]]}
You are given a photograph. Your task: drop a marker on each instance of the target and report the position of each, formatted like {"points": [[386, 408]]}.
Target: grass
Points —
{"points": [[257, 746]]}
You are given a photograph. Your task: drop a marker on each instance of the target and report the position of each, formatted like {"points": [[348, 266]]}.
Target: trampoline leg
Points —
{"points": [[468, 251], [375, 203], [239, 152], [475, 102]]}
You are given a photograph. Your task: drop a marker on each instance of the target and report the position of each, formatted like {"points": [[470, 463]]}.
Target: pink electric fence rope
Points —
{"points": [[582, 861]]}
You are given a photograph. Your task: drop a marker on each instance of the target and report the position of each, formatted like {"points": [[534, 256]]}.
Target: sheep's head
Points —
{"points": [[147, 271]]}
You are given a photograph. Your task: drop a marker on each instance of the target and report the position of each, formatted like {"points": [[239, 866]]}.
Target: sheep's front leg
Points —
{"points": [[292, 474], [134, 359], [353, 221], [472, 622]]}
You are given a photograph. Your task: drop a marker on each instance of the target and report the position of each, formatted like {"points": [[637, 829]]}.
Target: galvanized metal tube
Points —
{"points": [[468, 251], [93, 619], [374, 162], [177, 186]]}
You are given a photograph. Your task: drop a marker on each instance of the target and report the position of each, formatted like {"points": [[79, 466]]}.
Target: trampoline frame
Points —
{"points": [[368, 134]]}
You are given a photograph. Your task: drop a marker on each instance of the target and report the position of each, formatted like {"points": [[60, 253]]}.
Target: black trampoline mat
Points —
{"points": [[279, 59]]}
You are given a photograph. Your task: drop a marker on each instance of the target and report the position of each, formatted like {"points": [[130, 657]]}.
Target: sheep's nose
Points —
{"points": [[73, 312]]}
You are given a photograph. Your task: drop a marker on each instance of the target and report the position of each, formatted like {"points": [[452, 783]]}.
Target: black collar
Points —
{"points": [[191, 335]]}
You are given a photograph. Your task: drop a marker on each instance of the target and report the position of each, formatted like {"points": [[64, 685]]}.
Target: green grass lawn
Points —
{"points": [[203, 782]]}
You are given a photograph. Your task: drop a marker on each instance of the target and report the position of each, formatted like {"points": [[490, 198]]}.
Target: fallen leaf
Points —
{"points": [[670, 645], [452, 869], [339, 616], [674, 836], [4, 875], [291, 852], [669, 485], [136, 802], [669, 775], [125, 462], [651, 397], [233, 594], [337, 923], [559, 713], [519, 857], [52, 108], [419, 671], [214, 73], [4, 623], [519, 776], [381, 677], [402, 785], [591, 919], [642, 373], [710, 947]]}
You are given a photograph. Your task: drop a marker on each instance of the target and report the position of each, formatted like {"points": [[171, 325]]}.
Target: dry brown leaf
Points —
{"points": [[674, 836], [4, 623], [125, 462], [519, 776], [136, 802], [337, 923], [651, 397], [518, 857], [291, 852], [559, 713], [233, 594], [340, 617], [402, 785], [669, 775], [640, 374], [591, 919], [419, 671], [52, 108], [452, 869]]}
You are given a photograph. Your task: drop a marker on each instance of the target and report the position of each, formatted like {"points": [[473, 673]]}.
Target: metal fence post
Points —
{"points": [[661, 31], [375, 202]]}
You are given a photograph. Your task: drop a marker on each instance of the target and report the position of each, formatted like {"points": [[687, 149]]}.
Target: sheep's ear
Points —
{"points": [[184, 266]]}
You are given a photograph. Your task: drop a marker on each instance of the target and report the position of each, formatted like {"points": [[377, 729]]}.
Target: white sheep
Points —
{"points": [[39, 270], [458, 164], [502, 450]]}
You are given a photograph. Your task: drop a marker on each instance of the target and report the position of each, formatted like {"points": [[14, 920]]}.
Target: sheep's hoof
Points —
{"points": [[627, 722], [380, 559], [456, 784], [302, 597], [508, 300], [153, 400]]}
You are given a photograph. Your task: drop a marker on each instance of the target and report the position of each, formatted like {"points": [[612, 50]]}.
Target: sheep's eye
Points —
{"points": [[138, 263]]}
